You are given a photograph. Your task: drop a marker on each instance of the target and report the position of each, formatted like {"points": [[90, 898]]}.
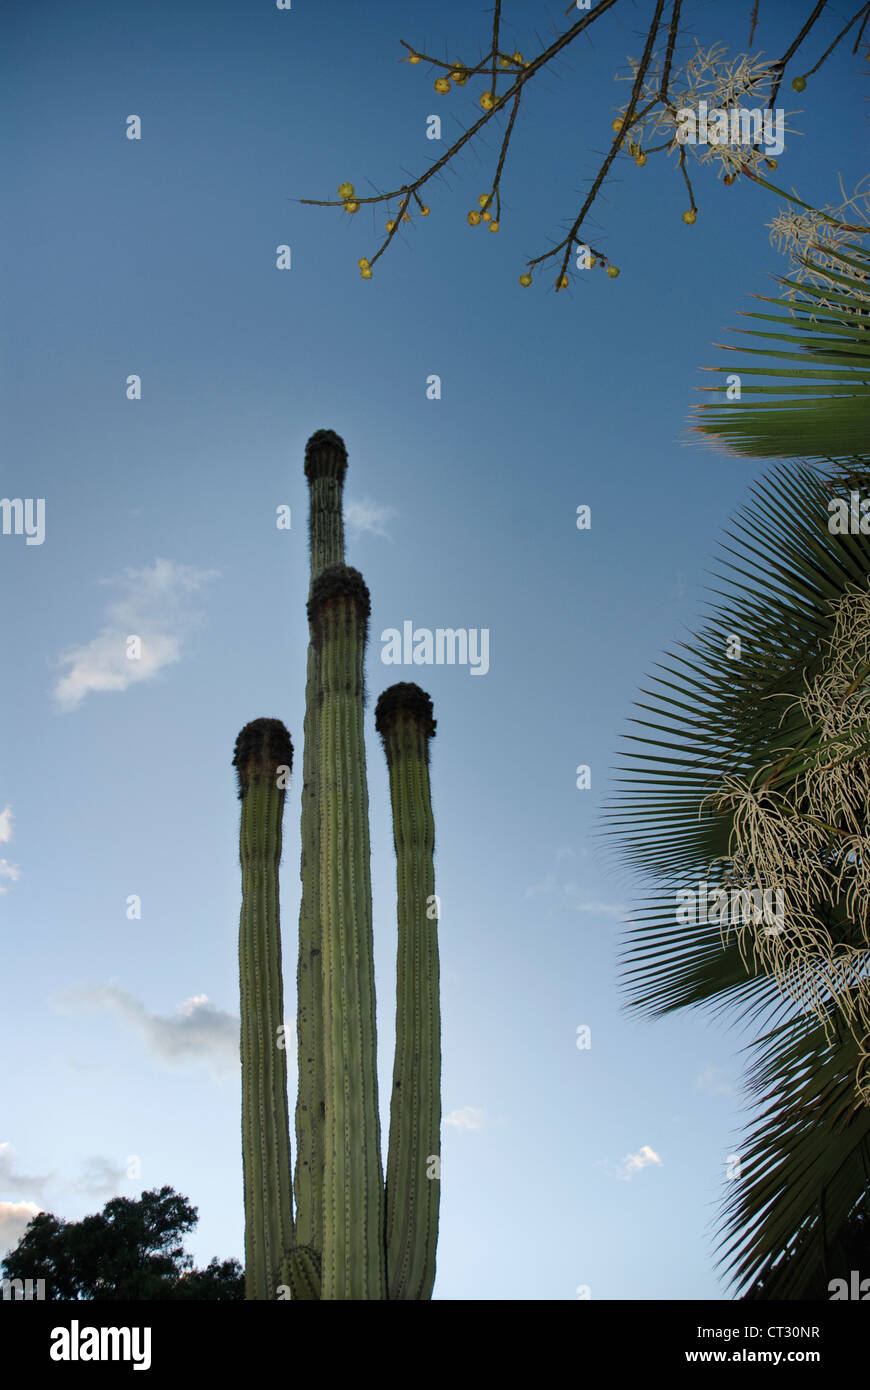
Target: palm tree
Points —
{"points": [[751, 775]]}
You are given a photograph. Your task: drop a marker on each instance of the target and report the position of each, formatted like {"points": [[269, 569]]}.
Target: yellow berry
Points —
{"points": [[487, 101], [504, 62], [690, 217], [593, 260], [413, 57], [424, 211], [442, 85], [612, 271], [617, 124], [525, 281], [484, 200], [406, 217], [487, 216], [459, 76], [771, 163], [562, 283], [351, 205], [363, 263], [493, 226], [391, 226], [366, 272], [474, 218], [345, 190], [640, 159], [517, 58], [798, 84]]}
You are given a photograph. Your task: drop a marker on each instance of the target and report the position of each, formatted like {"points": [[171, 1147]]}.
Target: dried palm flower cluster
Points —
{"points": [[804, 829]]}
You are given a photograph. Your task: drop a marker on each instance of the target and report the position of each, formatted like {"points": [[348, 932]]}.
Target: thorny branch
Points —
{"points": [[651, 110]]}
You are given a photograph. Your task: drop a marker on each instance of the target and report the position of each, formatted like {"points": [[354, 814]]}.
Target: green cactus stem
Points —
{"points": [[325, 468], [353, 1193], [403, 718], [263, 759]]}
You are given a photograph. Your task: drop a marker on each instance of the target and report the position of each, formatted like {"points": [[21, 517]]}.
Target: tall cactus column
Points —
{"points": [[353, 1193], [403, 718], [325, 468], [262, 748]]}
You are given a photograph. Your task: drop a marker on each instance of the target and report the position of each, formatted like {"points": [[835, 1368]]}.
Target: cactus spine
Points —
{"points": [[350, 1237], [262, 748], [325, 467], [403, 718]]}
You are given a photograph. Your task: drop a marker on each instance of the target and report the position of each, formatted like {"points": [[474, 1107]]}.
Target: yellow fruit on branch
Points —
{"points": [[525, 281], [474, 218], [690, 216], [442, 85], [351, 205], [345, 190]]}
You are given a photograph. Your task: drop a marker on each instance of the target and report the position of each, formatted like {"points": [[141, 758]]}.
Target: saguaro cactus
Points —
{"points": [[351, 1237], [403, 718], [325, 467], [263, 748]]}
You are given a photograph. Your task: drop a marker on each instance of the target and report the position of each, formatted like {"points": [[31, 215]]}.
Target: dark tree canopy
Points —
{"points": [[133, 1249]]}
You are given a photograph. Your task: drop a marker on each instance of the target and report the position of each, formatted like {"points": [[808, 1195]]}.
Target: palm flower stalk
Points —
{"points": [[353, 1191], [263, 750], [403, 718], [325, 468]]}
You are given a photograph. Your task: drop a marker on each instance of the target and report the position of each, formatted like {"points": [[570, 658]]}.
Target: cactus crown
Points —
{"points": [[407, 699], [325, 456], [262, 747], [339, 581]]}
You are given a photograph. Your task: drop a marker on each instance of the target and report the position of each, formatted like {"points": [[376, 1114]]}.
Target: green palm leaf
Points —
{"points": [[820, 410]]}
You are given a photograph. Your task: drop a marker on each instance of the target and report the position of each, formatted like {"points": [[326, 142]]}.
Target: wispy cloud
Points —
{"points": [[101, 1178], [466, 1118], [14, 1220], [18, 1184], [156, 604], [710, 1081], [6, 819], [197, 1032], [10, 871], [369, 516], [632, 1163], [573, 897]]}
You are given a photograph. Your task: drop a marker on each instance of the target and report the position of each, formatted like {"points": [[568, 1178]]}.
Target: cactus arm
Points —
{"points": [[325, 467], [403, 718], [353, 1194], [261, 748]]}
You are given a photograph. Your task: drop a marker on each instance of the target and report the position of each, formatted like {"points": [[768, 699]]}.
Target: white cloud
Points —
{"points": [[10, 871], [709, 1080], [198, 1032], [466, 1118], [6, 819], [633, 1163], [155, 604], [14, 1220], [369, 516]]}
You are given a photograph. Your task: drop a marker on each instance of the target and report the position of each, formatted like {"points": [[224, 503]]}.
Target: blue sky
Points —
{"points": [[562, 1167]]}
